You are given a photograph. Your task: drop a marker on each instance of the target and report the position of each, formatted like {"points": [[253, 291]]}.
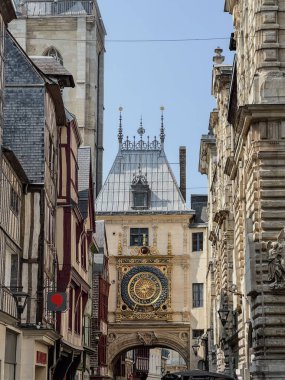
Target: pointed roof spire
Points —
{"points": [[162, 133], [120, 130], [141, 130]]}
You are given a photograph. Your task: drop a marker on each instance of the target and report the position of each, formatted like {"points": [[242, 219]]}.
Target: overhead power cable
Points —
{"points": [[123, 40]]}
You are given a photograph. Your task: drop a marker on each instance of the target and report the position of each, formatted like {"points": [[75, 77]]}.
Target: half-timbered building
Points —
{"points": [[33, 113], [75, 228]]}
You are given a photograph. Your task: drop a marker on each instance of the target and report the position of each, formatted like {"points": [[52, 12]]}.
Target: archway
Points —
{"points": [[176, 338], [144, 362]]}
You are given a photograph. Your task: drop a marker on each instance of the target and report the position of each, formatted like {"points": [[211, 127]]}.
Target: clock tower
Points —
{"points": [[156, 273]]}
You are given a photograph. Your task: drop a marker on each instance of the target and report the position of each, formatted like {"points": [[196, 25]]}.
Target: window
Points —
{"points": [[83, 252], [197, 333], [14, 271], [140, 191], [139, 236], [51, 157], [11, 269], [197, 241], [140, 199], [78, 316], [87, 330], [52, 52], [78, 233], [14, 201], [197, 295], [102, 357], [10, 355]]}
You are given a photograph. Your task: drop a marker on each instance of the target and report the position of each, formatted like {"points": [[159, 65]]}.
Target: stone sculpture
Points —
{"points": [[276, 269]]}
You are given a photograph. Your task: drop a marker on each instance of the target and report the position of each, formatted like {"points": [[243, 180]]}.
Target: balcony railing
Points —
{"points": [[55, 8], [7, 302]]}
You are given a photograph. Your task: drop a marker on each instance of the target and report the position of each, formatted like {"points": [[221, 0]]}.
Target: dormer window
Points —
{"points": [[140, 192], [140, 199]]}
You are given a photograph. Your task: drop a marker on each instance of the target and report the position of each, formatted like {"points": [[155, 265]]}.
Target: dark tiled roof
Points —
{"points": [[52, 68], [14, 162]]}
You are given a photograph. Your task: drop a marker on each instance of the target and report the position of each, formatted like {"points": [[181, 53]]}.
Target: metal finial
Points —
{"points": [[141, 129], [162, 134], [120, 131]]}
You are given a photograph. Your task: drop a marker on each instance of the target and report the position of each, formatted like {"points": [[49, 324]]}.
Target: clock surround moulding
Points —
{"points": [[144, 286]]}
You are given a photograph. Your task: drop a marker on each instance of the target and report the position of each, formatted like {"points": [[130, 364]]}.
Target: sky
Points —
{"points": [[143, 76]]}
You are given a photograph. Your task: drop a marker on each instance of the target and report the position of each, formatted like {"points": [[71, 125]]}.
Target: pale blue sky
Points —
{"points": [[142, 76]]}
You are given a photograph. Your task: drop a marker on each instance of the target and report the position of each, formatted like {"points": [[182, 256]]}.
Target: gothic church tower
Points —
{"points": [[73, 32]]}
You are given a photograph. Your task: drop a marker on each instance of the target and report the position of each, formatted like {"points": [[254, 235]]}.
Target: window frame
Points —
{"points": [[143, 195], [14, 201], [201, 332], [197, 294], [197, 243], [139, 235]]}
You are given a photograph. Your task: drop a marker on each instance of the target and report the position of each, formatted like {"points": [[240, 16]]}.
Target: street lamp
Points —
{"points": [[223, 314], [195, 348], [21, 299]]}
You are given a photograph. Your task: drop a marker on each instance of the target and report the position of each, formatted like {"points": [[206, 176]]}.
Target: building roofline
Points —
{"points": [[7, 10]]}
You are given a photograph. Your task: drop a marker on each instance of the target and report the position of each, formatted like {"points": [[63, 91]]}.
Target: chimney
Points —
{"points": [[182, 165]]}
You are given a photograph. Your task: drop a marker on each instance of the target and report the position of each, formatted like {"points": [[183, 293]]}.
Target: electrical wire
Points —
{"points": [[124, 40]]}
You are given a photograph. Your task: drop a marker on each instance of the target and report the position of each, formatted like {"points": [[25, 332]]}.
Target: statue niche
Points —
{"points": [[276, 268]]}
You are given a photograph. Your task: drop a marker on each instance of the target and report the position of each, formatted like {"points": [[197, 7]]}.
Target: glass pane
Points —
{"points": [[9, 371], [10, 347]]}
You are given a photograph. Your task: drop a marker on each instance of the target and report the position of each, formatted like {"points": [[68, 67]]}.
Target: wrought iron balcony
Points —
{"points": [[38, 8], [8, 303]]}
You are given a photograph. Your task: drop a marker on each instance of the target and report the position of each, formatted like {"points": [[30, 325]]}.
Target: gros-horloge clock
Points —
{"points": [[144, 287]]}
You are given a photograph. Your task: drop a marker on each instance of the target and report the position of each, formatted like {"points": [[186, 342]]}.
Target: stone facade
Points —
{"points": [[74, 33], [243, 158]]}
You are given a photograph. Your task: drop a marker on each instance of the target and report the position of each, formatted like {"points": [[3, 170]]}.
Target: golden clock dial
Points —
{"points": [[144, 288]]}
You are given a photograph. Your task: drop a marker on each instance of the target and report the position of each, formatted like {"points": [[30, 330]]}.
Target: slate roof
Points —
{"points": [[150, 158], [52, 68], [84, 167], [14, 162], [199, 203]]}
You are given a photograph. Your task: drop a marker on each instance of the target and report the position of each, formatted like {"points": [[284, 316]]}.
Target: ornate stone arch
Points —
{"points": [[121, 341], [51, 51]]}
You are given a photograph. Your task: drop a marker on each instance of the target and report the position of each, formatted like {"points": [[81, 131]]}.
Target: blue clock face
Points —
{"points": [[144, 286]]}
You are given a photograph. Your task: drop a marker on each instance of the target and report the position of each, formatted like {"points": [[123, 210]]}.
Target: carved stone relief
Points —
{"points": [[147, 338]]}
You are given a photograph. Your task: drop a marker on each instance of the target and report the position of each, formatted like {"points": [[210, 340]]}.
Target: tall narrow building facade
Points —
{"points": [[73, 32]]}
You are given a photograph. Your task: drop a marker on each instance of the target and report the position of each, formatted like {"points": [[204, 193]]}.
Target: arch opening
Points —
{"points": [[147, 362], [53, 52]]}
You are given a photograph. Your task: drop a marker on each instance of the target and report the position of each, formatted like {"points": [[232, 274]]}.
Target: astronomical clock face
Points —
{"points": [[144, 286]]}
